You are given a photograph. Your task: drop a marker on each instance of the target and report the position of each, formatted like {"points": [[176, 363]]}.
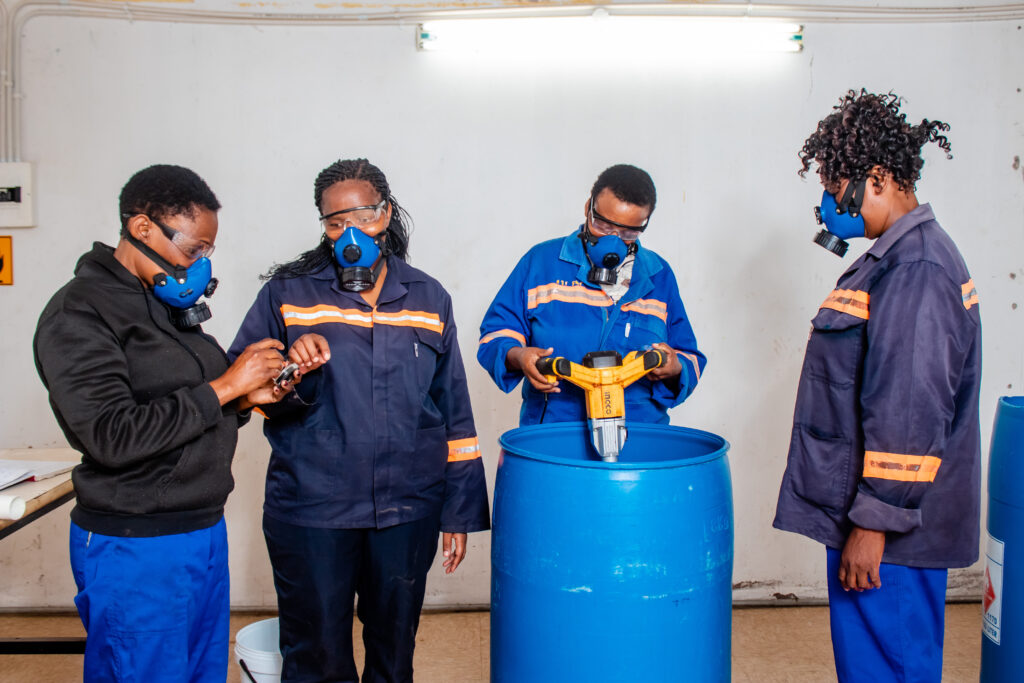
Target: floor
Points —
{"points": [[769, 645]]}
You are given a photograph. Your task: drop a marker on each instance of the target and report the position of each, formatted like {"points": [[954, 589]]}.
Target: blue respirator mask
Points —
{"points": [[842, 219], [180, 288], [605, 254], [359, 258]]}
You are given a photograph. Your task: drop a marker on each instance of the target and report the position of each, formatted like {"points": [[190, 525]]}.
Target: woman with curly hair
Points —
{"points": [[884, 462]]}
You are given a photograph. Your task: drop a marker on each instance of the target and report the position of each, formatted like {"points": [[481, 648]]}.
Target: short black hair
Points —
{"points": [[629, 183], [164, 190], [866, 130]]}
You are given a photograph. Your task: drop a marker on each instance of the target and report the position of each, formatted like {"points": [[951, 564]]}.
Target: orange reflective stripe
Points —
{"points": [[570, 294], [317, 315], [504, 333], [421, 319], [900, 467], [969, 293], [463, 449], [851, 301], [693, 359], [659, 309]]}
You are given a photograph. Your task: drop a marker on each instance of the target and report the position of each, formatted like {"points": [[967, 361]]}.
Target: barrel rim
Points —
{"points": [[1014, 402], [720, 452]]}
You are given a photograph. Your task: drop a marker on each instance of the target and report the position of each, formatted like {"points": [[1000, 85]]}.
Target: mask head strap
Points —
{"points": [[853, 198]]}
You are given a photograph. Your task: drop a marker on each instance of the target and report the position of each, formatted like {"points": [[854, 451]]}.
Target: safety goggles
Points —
{"points": [[602, 226], [192, 248], [357, 216]]}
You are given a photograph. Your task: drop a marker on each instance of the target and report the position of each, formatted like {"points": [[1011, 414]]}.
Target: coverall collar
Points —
{"points": [[399, 275], [645, 265], [904, 224]]}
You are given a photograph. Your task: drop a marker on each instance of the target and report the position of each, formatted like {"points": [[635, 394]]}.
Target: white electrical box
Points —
{"points": [[16, 210]]}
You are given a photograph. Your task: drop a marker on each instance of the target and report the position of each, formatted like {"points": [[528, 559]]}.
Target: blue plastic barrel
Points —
{"points": [[611, 571], [1002, 642]]}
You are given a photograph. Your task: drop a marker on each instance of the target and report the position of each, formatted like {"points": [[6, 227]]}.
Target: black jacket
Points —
{"points": [[132, 393]]}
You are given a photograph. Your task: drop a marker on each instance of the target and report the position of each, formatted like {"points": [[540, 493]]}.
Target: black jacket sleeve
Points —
{"points": [[85, 370]]}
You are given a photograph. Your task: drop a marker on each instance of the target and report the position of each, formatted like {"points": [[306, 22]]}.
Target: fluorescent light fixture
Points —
{"points": [[603, 33]]}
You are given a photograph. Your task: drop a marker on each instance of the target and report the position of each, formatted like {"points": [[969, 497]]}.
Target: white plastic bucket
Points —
{"points": [[258, 645]]}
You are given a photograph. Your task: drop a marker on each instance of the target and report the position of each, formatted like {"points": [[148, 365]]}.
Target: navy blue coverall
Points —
{"points": [[886, 436], [373, 454]]}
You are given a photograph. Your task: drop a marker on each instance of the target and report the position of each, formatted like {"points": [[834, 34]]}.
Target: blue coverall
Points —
{"points": [[547, 301]]}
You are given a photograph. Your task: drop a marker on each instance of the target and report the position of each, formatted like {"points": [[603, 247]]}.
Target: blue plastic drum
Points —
{"points": [[1002, 642], [611, 571]]}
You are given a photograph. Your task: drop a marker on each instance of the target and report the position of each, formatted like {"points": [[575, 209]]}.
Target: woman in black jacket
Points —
{"points": [[153, 405]]}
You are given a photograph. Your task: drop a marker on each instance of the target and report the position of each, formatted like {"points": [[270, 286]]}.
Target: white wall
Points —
{"points": [[491, 156]]}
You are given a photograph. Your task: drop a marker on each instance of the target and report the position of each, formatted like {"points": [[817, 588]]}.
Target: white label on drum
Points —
{"points": [[992, 598]]}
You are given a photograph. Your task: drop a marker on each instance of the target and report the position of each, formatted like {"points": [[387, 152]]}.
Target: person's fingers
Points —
{"points": [[875, 577], [446, 544], [460, 552], [539, 381], [323, 349], [310, 346], [267, 343], [300, 352]]}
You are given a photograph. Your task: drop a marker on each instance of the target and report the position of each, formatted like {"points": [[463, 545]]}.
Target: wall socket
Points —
{"points": [[16, 206]]}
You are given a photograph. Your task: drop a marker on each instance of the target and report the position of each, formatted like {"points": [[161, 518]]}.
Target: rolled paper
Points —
{"points": [[11, 507]]}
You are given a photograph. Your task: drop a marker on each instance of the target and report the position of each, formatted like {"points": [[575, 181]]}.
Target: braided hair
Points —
{"points": [[396, 235], [866, 130]]}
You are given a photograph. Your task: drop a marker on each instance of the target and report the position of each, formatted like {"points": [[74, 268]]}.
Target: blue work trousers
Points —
{"points": [[891, 634], [318, 573], [155, 609]]}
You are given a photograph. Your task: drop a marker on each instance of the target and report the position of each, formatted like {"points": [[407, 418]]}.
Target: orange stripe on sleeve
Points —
{"points": [[693, 359], [463, 449], [970, 294], [901, 467], [504, 333]]}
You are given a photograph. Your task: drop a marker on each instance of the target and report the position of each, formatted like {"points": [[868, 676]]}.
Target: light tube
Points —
{"points": [[601, 33]]}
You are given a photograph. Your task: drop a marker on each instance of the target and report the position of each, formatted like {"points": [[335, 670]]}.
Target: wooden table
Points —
{"points": [[40, 497]]}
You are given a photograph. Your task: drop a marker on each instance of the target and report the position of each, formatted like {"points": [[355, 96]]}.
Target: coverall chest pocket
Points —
{"points": [[827, 420], [642, 331], [426, 349], [835, 350]]}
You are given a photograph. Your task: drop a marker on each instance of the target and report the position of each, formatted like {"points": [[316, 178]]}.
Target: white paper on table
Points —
{"points": [[34, 469], [13, 471]]}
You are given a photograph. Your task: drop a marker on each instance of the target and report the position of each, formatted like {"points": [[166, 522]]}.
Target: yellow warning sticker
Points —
{"points": [[6, 261]]}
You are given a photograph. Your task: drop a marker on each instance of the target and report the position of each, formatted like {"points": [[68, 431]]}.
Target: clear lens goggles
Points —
{"points": [[601, 226], [358, 216], [193, 249]]}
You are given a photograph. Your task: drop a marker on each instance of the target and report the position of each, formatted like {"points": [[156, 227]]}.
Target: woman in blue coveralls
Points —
{"points": [[597, 289], [885, 460], [375, 452]]}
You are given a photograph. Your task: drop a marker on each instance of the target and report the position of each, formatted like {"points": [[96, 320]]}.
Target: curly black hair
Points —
{"points": [[628, 183], [164, 190], [866, 130], [396, 237]]}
